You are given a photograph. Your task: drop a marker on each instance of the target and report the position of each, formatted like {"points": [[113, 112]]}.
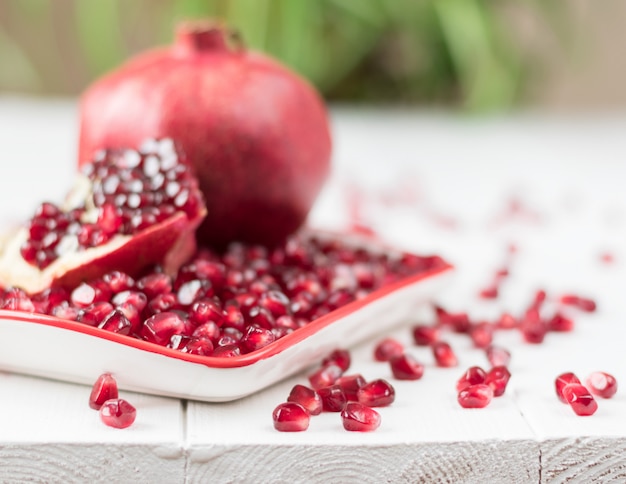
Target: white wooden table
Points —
{"points": [[462, 174]]}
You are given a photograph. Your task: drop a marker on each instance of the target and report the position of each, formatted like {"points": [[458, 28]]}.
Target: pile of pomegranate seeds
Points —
{"points": [[130, 191], [114, 412], [231, 303], [570, 390], [333, 391]]}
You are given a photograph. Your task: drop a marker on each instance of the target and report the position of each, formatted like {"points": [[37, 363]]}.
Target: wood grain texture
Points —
{"points": [[494, 462], [585, 459], [94, 463]]}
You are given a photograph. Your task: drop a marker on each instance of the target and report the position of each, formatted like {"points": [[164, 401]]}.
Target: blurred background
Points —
{"points": [[472, 55]]}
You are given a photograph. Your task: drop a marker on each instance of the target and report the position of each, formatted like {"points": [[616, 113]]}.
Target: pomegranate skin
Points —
{"points": [[257, 135]]}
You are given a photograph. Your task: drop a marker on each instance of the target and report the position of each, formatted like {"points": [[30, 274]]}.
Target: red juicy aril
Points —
{"points": [[218, 303], [255, 132], [128, 210]]}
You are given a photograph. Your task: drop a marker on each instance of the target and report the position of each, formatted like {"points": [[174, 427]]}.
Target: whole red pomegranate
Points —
{"points": [[256, 133]]}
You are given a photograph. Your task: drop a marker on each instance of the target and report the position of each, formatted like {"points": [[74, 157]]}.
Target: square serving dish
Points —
{"points": [[50, 347]]}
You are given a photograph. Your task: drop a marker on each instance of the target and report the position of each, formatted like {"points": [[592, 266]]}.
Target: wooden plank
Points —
{"points": [[424, 436], [49, 434]]}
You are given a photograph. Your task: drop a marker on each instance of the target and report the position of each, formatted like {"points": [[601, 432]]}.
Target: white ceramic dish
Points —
{"points": [[49, 347]]}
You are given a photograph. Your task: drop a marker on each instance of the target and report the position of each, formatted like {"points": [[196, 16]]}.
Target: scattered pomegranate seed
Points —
{"points": [[307, 397], [387, 349], [498, 356], [424, 335], [325, 376], [562, 381], [579, 398], [333, 398], [506, 321], [490, 292], [475, 396], [357, 417], [560, 323], [117, 413], [105, 388], [459, 322], [481, 334], [444, 355], [406, 367], [533, 329], [498, 378], [582, 303], [350, 385], [339, 357], [290, 417], [472, 376], [602, 384], [377, 393]]}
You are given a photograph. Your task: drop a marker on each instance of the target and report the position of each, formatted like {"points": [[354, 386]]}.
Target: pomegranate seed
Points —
{"points": [[161, 327], [377, 393], [357, 417], [579, 398], [333, 398], [290, 417], [498, 356], [16, 299], [205, 310], [490, 292], [350, 385], [208, 330], [506, 321], [227, 351], [339, 357], [386, 349], [86, 295], [256, 338], [562, 381], [134, 298], [498, 378], [444, 355], [475, 396], [472, 376], [118, 281], [275, 302], [325, 376], [105, 388], [307, 397], [196, 346], [405, 367], [560, 323], [425, 335], [533, 329], [459, 322], [117, 413], [94, 314], [481, 334], [602, 384], [116, 322], [261, 317], [155, 284], [582, 303]]}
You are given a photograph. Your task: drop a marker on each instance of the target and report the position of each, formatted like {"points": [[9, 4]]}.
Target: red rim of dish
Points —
{"points": [[236, 361]]}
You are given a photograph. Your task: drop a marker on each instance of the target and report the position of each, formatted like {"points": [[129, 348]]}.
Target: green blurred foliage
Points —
{"points": [[434, 52]]}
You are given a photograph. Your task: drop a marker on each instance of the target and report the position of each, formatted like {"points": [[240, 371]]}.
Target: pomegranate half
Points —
{"points": [[127, 211], [256, 133]]}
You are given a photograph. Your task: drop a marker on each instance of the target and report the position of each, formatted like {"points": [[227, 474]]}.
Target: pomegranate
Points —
{"points": [[128, 210], [255, 132]]}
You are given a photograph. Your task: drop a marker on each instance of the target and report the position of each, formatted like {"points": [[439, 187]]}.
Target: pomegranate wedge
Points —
{"points": [[128, 210]]}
